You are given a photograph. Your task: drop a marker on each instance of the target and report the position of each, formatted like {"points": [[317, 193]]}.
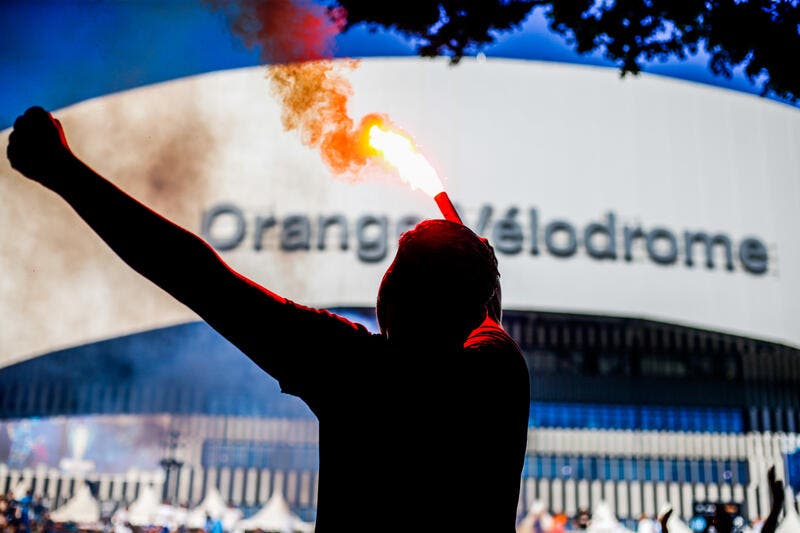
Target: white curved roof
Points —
{"points": [[576, 143]]}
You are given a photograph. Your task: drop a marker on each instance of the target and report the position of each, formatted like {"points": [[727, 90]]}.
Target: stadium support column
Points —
{"points": [[171, 466]]}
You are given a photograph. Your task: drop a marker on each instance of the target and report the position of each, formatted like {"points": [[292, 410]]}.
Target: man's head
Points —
{"points": [[437, 287]]}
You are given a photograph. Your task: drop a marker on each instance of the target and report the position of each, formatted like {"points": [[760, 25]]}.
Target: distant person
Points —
{"points": [[560, 523], [722, 522], [3, 513], [663, 518], [213, 525], [39, 508], [582, 519], [776, 497], [12, 511], [431, 414], [25, 511], [537, 520]]}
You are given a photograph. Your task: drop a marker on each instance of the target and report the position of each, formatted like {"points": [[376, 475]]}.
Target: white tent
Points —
{"points": [[178, 517], [790, 522], [275, 516], [674, 524], [536, 511], [646, 525], [142, 512], [81, 509], [232, 516], [212, 505], [604, 521], [196, 519]]}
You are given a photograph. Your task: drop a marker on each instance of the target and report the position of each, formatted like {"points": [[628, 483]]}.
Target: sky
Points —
{"points": [[55, 53]]}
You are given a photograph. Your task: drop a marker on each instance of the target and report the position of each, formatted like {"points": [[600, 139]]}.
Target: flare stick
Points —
{"points": [[447, 208]]}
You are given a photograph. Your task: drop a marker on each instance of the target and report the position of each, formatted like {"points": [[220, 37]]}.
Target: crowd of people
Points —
{"points": [[23, 514], [715, 519], [31, 514], [539, 520]]}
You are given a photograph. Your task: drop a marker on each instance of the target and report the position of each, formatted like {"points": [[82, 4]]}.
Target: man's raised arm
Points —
{"points": [[174, 259]]}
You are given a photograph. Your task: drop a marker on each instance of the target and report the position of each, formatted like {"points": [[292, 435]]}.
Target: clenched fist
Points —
{"points": [[37, 147]]}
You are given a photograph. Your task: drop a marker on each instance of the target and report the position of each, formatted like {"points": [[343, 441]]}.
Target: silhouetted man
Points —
{"points": [[422, 428]]}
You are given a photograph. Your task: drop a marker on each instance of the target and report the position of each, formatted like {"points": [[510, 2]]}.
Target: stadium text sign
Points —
{"points": [[226, 227]]}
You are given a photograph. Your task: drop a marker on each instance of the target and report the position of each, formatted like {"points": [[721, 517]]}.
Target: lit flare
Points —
{"points": [[398, 150]]}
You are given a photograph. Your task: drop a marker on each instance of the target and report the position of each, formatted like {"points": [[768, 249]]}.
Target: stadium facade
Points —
{"points": [[645, 233]]}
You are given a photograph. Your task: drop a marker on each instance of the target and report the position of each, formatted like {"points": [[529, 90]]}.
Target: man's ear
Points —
{"points": [[382, 313], [383, 302]]}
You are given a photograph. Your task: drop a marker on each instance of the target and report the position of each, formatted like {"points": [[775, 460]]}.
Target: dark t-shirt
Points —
{"points": [[413, 441]]}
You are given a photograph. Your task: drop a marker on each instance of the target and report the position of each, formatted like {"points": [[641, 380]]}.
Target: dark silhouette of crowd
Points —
{"points": [[540, 520], [23, 514]]}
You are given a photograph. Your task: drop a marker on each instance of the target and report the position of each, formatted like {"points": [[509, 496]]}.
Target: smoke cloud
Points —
{"points": [[296, 39], [314, 96], [287, 31]]}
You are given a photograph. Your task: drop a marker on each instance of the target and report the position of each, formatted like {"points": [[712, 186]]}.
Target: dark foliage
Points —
{"points": [[761, 36], [445, 27]]}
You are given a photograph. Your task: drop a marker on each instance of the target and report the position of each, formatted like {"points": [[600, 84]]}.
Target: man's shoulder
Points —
{"points": [[490, 336], [492, 349]]}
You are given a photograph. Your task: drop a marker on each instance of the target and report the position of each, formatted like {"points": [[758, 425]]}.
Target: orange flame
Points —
{"points": [[398, 149]]}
